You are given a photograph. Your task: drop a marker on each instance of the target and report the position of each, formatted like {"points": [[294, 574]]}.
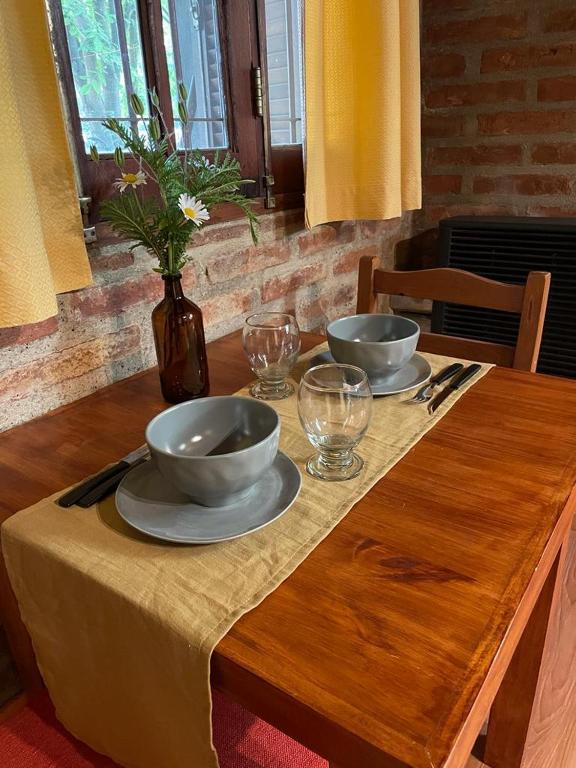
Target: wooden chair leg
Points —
{"points": [[512, 708]]}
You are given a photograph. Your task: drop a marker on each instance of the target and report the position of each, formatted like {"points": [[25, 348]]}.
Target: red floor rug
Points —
{"points": [[33, 738]]}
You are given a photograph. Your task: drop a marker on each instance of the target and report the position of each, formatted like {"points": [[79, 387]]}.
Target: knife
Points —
{"points": [[116, 470], [455, 384]]}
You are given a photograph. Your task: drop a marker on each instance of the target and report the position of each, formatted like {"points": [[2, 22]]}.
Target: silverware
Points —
{"points": [[454, 385], [93, 483], [425, 393]]}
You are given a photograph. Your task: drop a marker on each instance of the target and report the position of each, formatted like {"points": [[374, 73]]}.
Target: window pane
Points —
{"points": [[283, 42], [107, 64], [193, 51]]}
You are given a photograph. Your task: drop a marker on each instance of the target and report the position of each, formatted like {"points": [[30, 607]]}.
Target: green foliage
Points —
{"points": [[157, 222]]}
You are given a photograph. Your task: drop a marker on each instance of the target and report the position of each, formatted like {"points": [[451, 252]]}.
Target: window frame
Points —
{"points": [[242, 34]]}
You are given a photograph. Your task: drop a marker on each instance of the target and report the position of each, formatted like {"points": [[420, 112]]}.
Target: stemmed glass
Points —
{"points": [[334, 405], [271, 343]]}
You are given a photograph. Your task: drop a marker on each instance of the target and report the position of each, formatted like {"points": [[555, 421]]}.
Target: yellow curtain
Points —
{"points": [[42, 250], [362, 83]]}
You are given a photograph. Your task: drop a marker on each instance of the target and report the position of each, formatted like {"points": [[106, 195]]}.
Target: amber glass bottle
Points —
{"points": [[180, 345]]}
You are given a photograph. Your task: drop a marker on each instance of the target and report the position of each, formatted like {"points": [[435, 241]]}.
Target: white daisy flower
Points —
{"points": [[130, 180], [193, 210]]}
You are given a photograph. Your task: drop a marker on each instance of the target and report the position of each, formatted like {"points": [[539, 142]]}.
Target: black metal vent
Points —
{"points": [[507, 248]]}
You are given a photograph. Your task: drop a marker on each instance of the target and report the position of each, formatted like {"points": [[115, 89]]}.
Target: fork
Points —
{"points": [[425, 393]]}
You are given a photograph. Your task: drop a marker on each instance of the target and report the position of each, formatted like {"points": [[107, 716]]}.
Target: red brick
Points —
{"points": [[480, 154], [189, 280], [523, 184], [554, 211], [227, 306], [309, 311], [277, 287], [108, 262], [524, 123], [24, 334], [554, 154], [528, 56], [219, 233], [441, 6], [560, 20], [116, 297], [435, 213], [324, 236], [485, 28], [378, 229], [252, 259], [349, 261], [328, 305], [316, 239], [442, 184], [443, 65], [283, 224], [476, 93], [346, 231], [345, 295], [557, 88], [70, 363], [434, 7], [442, 126]]}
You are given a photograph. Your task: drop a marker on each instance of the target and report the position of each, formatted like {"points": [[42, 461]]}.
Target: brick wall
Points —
{"points": [[499, 114], [103, 333], [499, 107]]}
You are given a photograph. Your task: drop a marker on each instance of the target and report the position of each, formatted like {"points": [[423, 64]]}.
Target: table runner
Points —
{"points": [[123, 626]]}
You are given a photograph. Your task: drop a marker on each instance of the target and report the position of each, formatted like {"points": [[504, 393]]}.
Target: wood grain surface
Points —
{"points": [[387, 645], [461, 287]]}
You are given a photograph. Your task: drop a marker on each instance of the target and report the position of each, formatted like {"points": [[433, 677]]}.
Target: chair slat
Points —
{"points": [[469, 349], [459, 287], [447, 284]]}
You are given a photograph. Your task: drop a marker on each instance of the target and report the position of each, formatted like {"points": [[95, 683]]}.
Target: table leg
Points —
{"points": [[512, 708]]}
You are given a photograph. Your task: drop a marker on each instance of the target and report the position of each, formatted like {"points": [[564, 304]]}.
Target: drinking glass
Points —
{"points": [[271, 343], [334, 405]]}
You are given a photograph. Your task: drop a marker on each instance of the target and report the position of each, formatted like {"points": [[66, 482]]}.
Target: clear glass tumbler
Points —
{"points": [[335, 406], [271, 343]]}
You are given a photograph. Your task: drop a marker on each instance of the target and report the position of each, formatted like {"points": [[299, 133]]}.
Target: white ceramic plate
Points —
{"points": [[151, 505], [414, 374]]}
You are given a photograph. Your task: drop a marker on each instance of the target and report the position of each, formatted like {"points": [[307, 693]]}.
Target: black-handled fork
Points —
{"points": [[426, 392]]}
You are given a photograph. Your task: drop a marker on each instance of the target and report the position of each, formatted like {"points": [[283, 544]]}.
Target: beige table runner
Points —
{"points": [[124, 626]]}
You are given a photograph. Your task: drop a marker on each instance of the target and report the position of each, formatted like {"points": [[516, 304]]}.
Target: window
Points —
{"points": [[284, 56], [108, 49]]}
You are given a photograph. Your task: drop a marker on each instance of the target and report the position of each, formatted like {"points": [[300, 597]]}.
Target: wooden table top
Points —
{"points": [[386, 646]]}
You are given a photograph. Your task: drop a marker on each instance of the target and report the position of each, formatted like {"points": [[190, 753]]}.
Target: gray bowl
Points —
{"points": [[379, 344], [240, 434]]}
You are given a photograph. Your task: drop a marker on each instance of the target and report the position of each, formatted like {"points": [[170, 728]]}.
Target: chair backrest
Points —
{"points": [[459, 287]]}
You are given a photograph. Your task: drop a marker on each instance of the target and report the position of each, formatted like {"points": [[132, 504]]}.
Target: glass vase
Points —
{"points": [[180, 344]]}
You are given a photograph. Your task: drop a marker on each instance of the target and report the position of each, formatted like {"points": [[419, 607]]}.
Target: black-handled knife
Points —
{"points": [[119, 469], [108, 486], [455, 384], [446, 373]]}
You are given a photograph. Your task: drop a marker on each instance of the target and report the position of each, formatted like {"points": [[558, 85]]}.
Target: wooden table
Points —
{"points": [[427, 605]]}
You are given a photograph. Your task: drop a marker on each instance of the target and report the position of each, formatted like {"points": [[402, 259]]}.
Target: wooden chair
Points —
{"points": [[459, 287]]}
